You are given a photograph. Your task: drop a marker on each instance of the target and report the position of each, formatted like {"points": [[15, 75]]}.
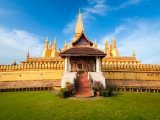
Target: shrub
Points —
{"points": [[63, 92], [98, 85], [69, 86], [106, 92], [67, 82]]}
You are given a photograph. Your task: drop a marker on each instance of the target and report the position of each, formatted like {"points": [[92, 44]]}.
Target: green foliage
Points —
{"points": [[98, 85], [106, 92], [69, 86], [67, 82], [63, 92]]}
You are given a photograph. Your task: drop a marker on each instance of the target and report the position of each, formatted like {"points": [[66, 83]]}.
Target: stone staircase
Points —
{"points": [[83, 87]]}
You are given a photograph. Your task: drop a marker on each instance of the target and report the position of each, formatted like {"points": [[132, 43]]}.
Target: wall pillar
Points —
{"points": [[66, 63]]}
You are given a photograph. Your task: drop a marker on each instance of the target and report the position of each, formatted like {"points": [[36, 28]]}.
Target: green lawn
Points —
{"points": [[43, 105]]}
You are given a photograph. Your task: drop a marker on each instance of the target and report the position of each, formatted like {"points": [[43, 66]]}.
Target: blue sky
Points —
{"points": [[25, 24]]}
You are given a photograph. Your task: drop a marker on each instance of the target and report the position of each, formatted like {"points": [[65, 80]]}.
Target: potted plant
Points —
{"points": [[98, 86]]}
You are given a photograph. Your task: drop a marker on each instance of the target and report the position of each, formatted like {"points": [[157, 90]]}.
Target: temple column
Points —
{"points": [[100, 61], [69, 64], [97, 64], [94, 66], [66, 63]]}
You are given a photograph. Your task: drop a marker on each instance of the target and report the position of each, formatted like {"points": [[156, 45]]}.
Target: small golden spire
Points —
{"points": [[65, 46], [113, 38], [55, 40], [79, 10], [70, 44], [47, 39], [46, 43], [95, 44], [106, 45], [110, 46], [55, 44], [133, 55], [28, 54], [114, 43], [50, 46]]}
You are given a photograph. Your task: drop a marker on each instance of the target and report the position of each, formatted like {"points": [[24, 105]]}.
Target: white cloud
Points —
{"points": [[130, 2], [8, 12], [119, 29], [15, 44], [3, 12], [97, 7], [142, 35]]}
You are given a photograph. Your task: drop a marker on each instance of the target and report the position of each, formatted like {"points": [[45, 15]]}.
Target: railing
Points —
{"points": [[34, 67], [75, 83], [135, 88], [130, 67], [91, 84]]}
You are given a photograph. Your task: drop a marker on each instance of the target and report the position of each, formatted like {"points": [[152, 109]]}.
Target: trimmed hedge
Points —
{"points": [[106, 92], [63, 92]]}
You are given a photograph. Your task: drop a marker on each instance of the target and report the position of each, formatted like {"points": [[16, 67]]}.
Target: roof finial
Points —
{"points": [[28, 54], [106, 45], [65, 46], [95, 44], [110, 46], [133, 55], [50, 46], [79, 26], [79, 10]]}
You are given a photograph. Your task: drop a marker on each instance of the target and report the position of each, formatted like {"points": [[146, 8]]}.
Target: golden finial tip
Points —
{"points": [[79, 11]]}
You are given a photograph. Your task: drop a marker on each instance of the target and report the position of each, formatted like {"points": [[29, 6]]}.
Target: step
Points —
{"points": [[85, 96], [83, 91], [83, 87]]}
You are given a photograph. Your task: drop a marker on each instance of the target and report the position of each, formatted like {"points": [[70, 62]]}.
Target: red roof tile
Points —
{"points": [[83, 51]]}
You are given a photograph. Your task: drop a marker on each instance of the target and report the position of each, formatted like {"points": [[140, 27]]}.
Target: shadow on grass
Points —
{"points": [[115, 93]]}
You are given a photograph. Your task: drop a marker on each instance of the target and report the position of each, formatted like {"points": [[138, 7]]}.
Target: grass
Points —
{"points": [[43, 105]]}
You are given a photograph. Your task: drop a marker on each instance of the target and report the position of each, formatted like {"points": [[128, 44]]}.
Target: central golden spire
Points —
{"points": [[79, 26]]}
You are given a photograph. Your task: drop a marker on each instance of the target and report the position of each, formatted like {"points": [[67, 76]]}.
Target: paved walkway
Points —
{"points": [[24, 84]]}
